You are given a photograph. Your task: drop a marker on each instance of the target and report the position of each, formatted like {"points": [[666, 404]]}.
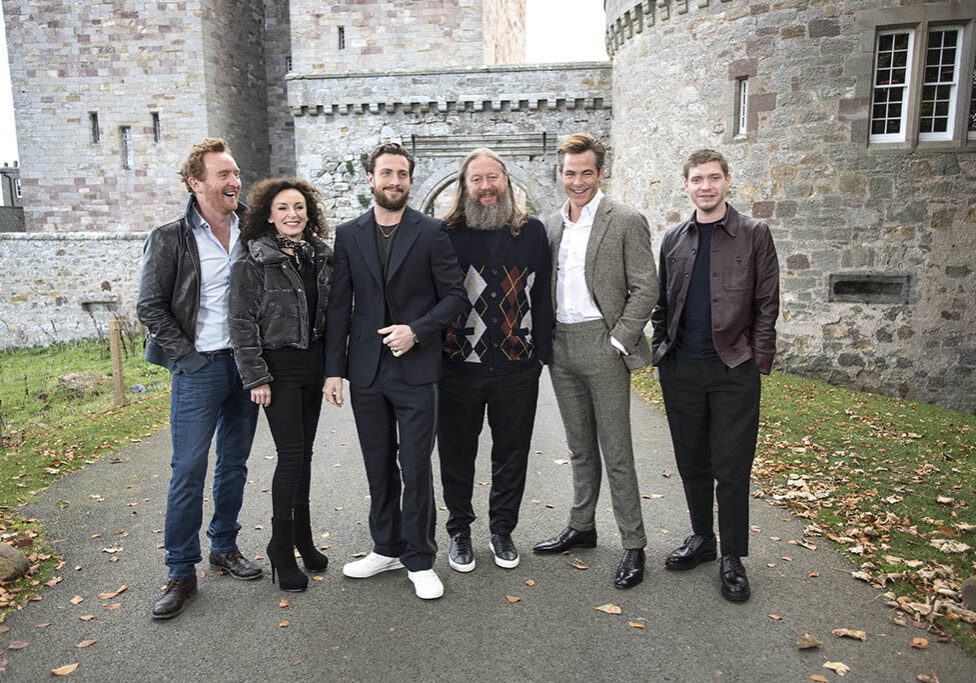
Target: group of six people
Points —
{"points": [[436, 323]]}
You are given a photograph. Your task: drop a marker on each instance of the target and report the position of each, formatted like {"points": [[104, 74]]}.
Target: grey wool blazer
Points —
{"points": [[620, 273]]}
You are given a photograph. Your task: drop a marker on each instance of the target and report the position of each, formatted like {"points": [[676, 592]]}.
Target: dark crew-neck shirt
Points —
{"points": [[694, 339], [384, 247]]}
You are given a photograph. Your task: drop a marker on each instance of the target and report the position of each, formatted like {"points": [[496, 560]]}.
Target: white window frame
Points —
{"points": [[971, 134], [18, 191], [741, 106], [953, 89], [906, 87]]}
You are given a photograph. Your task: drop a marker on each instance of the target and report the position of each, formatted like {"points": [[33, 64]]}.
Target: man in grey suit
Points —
{"points": [[604, 287]]}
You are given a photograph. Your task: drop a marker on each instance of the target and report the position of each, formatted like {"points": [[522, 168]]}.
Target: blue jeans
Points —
{"points": [[210, 399]]}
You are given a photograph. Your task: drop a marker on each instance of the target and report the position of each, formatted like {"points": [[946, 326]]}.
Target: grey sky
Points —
{"points": [[556, 31]]}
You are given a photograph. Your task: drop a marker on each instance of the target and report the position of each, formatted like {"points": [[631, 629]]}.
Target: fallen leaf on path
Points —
{"points": [[114, 548], [635, 624], [18, 645], [87, 617], [850, 633], [64, 670], [529, 582], [114, 605], [839, 667], [41, 625], [813, 575], [819, 678], [928, 678], [358, 555], [75, 600], [512, 598], [109, 596], [578, 563], [917, 643], [283, 603], [53, 582], [86, 643], [318, 578], [652, 496], [803, 544], [283, 624], [610, 608], [807, 641], [775, 617]]}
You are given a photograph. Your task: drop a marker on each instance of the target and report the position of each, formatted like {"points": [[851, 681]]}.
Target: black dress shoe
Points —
{"points": [[178, 591], [735, 585], [695, 550], [567, 538], [631, 569], [236, 565]]}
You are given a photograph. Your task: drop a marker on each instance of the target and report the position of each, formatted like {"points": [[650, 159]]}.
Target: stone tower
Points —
{"points": [[850, 127], [109, 96]]}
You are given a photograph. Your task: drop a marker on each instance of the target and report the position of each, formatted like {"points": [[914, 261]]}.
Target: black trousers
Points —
{"points": [[388, 411], [713, 414], [293, 416], [511, 402]]}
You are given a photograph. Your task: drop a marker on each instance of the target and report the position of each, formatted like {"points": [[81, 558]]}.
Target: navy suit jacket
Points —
{"points": [[423, 289]]}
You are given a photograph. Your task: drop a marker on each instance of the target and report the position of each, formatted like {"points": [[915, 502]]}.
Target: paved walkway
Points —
{"points": [[348, 630]]}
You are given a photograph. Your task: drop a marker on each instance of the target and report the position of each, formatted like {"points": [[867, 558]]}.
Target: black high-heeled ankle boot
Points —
{"points": [[281, 554], [313, 560]]}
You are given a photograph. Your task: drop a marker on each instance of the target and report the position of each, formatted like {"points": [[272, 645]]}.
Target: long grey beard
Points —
{"points": [[477, 216]]}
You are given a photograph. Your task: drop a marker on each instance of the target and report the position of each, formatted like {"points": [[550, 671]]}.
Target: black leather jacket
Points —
{"points": [[268, 308], [169, 293]]}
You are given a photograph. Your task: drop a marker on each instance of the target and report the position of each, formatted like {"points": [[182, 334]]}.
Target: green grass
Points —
{"points": [[50, 432], [879, 477]]}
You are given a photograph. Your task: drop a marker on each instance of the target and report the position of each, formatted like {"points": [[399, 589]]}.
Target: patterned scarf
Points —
{"points": [[303, 250]]}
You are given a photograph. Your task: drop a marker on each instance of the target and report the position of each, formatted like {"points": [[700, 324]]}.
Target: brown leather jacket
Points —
{"points": [[745, 289]]}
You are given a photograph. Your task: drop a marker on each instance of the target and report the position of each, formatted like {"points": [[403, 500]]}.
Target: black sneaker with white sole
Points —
{"points": [[461, 556], [503, 547]]}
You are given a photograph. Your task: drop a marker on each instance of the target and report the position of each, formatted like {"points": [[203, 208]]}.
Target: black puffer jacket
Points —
{"points": [[268, 309]]}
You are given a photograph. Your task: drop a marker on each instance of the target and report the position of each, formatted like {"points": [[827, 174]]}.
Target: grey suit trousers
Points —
{"points": [[592, 387]]}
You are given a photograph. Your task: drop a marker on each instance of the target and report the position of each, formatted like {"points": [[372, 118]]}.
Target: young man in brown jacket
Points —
{"points": [[714, 333]]}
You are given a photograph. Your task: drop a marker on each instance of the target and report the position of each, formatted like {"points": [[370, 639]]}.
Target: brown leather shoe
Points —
{"points": [[178, 591], [236, 565]]}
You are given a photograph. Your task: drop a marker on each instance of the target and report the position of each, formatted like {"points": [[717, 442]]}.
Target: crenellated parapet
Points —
{"points": [[626, 18], [585, 86]]}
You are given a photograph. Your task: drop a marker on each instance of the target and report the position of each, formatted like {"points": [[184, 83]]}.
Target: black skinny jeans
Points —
{"points": [[293, 415]]}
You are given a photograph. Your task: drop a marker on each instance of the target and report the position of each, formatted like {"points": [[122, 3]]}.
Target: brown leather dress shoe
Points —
{"points": [[178, 591], [236, 565]]}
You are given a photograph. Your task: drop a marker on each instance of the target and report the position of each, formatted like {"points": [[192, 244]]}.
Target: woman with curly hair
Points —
{"points": [[279, 293]]}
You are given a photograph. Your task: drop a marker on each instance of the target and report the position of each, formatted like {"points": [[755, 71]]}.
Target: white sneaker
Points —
{"points": [[426, 584], [371, 565]]}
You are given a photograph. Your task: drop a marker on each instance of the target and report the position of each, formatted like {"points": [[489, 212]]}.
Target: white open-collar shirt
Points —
{"points": [[574, 302], [213, 324]]}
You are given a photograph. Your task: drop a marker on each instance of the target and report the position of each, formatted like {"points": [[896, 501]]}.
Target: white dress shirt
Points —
{"points": [[213, 326], [574, 301]]}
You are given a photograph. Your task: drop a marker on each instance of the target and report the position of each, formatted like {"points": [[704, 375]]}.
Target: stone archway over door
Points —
{"points": [[446, 173]]}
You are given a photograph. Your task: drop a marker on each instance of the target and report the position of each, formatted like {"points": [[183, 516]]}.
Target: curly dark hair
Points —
{"points": [[259, 201]]}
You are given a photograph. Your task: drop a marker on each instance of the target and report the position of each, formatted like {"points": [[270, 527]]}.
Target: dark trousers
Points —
{"points": [[510, 401], [385, 410], [293, 416], [713, 414]]}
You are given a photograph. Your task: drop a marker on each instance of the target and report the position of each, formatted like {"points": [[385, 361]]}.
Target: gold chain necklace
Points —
{"points": [[387, 235]]}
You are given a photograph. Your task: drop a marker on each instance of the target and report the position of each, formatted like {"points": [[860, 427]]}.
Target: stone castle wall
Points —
{"points": [[385, 36], [66, 287], [277, 55], [236, 93], [504, 32], [520, 111], [125, 61], [836, 206]]}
